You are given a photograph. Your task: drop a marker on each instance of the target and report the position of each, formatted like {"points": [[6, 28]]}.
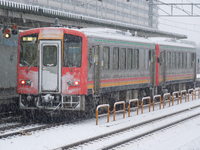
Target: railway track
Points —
{"points": [[10, 119], [22, 129], [124, 135], [27, 128]]}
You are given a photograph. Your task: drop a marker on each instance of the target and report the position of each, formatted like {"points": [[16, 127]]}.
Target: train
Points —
{"points": [[8, 74], [74, 70]]}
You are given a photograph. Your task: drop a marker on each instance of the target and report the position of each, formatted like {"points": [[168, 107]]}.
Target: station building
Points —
{"points": [[137, 12]]}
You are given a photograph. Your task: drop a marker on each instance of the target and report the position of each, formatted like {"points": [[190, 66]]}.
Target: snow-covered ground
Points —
{"points": [[182, 137]]}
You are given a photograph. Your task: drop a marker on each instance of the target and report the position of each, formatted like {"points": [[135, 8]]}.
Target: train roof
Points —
{"points": [[108, 33], [173, 42]]}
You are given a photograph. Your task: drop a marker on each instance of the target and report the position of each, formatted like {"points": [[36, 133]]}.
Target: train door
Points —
{"points": [[163, 66], [97, 69], [152, 66], [50, 66]]}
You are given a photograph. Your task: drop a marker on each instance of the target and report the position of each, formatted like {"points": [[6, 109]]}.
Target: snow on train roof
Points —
{"points": [[173, 42], [121, 35], [114, 34]]}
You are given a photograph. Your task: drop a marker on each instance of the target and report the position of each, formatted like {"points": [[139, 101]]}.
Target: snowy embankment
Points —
{"points": [[52, 138]]}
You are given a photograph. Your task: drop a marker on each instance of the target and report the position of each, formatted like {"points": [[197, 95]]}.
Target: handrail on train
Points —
{"points": [[154, 100], [114, 110], [97, 112], [129, 105]]}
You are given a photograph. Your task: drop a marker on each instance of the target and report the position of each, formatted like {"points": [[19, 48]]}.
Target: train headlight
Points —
{"points": [[73, 83], [25, 82], [6, 32], [76, 83]]}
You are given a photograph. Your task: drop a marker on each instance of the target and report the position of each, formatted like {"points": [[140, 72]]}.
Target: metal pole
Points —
{"points": [[150, 13]]}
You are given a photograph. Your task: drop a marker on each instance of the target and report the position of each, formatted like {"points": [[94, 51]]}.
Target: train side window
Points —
{"points": [[72, 50], [188, 60], [179, 60], [136, 58], [185, 59], [129, 58], [169, 60], [145, 59], [172, 58], [182, 59], [192, 59], [122, 58], [175, 61], [115, 58], [106, 58]]}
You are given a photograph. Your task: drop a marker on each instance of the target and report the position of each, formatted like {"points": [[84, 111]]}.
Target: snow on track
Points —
{"points": [[62, 135]]}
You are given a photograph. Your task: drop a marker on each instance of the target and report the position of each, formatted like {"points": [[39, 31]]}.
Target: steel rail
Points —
{"points": [[10, 119], [149, 132], [24, 131], [8, 127], [81, 142], [38, 128]]}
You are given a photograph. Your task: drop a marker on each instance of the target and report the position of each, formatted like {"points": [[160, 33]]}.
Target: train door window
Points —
{"points": [[129, 58], [90, 58], [106, 58], [150, 54], [161, 58], [29, 50], [168, 60], [72, 50], [49, 56], [122, 58], [115, 58]]}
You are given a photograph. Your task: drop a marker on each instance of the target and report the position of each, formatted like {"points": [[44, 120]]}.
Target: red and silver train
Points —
{"points": [[75, 69]]}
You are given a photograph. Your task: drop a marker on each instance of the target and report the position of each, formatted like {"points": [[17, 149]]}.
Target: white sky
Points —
{"points": [[189, 26]]}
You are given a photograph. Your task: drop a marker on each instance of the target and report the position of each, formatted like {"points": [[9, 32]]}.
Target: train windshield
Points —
{"points": [[72, 50], [28, 51]]}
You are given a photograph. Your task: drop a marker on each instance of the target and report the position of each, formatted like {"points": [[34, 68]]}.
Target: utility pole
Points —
{"points": [[150, 13]]}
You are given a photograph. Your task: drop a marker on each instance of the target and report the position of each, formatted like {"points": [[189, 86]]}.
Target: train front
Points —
{"points": [[52, 69]]}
